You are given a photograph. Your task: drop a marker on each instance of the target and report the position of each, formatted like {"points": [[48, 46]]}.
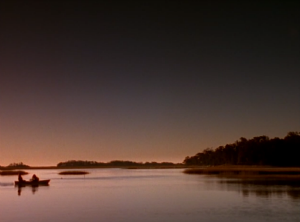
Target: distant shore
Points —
{"points": [[175, 166]]}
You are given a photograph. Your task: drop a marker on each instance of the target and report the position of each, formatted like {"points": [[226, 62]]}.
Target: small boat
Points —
{"points": [[32, 183]]}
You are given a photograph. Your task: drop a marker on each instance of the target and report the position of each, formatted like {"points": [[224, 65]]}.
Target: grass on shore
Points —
{"points": [[12, 172], [74, 172]]}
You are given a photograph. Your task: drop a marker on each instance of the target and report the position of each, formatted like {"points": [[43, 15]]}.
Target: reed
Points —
{"points": [[74, 172]]}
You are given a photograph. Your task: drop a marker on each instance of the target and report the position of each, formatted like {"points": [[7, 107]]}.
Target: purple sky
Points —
{"points": [[154, 81]]}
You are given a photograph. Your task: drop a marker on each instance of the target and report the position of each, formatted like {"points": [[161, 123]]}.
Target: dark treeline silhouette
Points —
{"points": [[114, 163], [15, 166], [256, 151], [79, 163]]}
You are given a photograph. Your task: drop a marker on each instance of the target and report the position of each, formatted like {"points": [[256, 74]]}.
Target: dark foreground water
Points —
{"points": [[119, 195]]}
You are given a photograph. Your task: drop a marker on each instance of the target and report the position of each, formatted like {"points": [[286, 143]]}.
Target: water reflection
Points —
{"points": [[294, 194], [34, 188], [148, 195], [263, 187]]}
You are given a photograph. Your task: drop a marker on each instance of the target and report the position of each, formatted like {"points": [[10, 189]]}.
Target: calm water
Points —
{"points": [[119, 195]]}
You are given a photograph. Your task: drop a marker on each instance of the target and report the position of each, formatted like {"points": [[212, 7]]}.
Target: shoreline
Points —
{"points": [[90, 167], [254, 169]]}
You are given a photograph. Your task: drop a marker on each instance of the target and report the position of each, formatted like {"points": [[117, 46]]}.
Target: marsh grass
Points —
{"points": [[154, 167], [12, 172], [247, 171], [73, 172]]}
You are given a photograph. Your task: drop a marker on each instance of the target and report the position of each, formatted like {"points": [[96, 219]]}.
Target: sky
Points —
{"points": [[144, 80]]}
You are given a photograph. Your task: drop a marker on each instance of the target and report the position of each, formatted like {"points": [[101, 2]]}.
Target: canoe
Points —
{"points": [[32, 183]]}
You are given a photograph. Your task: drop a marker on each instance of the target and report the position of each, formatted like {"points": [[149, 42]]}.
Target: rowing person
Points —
{"points": [[20, 178], [34, 178]]}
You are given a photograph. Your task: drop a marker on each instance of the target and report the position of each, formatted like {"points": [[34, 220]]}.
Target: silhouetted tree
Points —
{"points": [[114, 163], [19, 165], [259, 150]]}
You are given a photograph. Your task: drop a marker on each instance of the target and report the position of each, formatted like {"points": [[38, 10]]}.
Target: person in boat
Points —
{"points": [[34, 178], [20, 178]]}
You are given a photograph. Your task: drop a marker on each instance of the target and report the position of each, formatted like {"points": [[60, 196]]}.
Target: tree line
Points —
{"points": [[13, 166], [114, 163], [259, 150]]}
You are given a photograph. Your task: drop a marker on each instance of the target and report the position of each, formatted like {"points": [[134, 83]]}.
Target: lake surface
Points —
{"points": [[119, 195]]}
